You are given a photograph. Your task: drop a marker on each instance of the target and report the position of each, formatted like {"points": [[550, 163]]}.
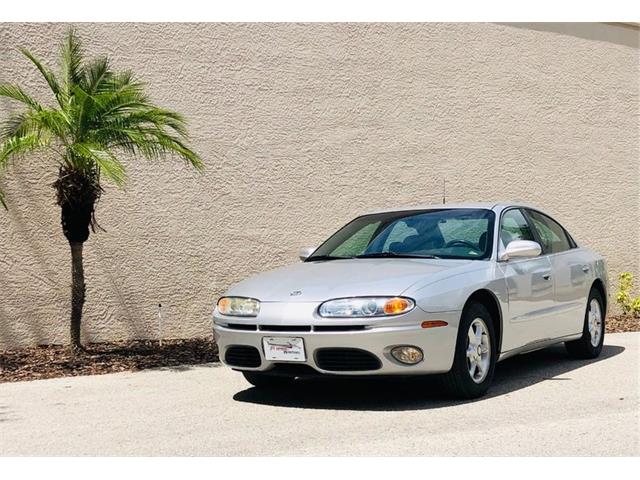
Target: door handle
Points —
{"points": [[585, 268], [546, 276]]}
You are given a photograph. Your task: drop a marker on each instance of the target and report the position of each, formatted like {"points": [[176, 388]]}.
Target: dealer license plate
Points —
{"points": [[286, 349]]}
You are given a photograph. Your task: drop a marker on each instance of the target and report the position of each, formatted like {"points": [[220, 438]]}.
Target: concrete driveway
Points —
{"points": [[541, 404]]}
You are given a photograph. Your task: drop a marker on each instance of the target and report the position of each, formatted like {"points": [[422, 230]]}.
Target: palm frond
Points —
{"points": [[46, 73], [158, 143], [160, 118], [49, 121], [97, 74], [149, 141], [145, 116], [81, 111], [16, 93], [171, 144], [108, 164], [53, 122], [19, 145], [72, 57], [118, 97], [18, 124]]}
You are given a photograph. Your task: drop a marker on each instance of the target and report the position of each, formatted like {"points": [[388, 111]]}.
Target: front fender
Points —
{"points": [[452, 292]]}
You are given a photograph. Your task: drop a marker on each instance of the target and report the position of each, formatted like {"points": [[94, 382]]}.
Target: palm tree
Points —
{"points": [[99, 114]]}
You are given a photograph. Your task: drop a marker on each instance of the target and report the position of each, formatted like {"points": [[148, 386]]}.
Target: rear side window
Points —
{"points": [[553, 237], [515, 227]]}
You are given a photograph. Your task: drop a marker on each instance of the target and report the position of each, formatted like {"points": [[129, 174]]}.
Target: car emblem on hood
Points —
{"points": [[295, 293]]}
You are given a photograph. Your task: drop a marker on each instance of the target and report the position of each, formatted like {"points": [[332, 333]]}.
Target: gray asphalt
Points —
{"points": [[541, 404]]}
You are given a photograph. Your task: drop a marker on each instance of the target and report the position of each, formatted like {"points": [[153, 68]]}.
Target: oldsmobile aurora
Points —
{"points": [[448, 289]]}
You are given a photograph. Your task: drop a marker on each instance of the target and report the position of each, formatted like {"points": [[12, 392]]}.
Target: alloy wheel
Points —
{"points": [[478, 350], [594, 322]]}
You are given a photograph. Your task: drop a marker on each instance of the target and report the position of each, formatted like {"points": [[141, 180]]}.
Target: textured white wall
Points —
{"points": [[305, 126]]}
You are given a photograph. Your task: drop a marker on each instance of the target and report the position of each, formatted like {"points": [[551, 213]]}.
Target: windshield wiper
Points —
{"points": [[325, 257], [392, 255]]}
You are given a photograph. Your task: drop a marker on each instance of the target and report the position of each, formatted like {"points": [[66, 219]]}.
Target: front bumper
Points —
{"points": [[376, 336]]}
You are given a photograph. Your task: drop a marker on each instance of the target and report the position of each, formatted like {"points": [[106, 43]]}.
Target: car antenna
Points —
{"points": [[444, 191]]}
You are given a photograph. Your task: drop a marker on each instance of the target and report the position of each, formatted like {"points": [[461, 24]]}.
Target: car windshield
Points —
{"points": [[443, 233]]}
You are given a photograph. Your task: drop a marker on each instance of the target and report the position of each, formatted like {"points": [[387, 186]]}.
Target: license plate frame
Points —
{"points": [[284, 349]]}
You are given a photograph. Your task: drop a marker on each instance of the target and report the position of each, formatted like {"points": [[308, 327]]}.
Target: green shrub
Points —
{"points": [[628, 304]]}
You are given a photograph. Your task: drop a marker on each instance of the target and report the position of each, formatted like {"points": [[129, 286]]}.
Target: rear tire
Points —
{"points": [[264, 380], [590, 344], [464, 380]]}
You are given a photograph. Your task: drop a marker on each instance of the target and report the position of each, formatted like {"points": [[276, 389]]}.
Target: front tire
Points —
{"points": [[590, 344], [264, 380], [475, 355]]}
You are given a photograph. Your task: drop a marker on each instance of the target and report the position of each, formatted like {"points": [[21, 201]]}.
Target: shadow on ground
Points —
{"points": [[398, 394]]}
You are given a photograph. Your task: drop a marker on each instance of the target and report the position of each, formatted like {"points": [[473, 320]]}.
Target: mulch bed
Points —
{"points": [[57, 361], [617, 324]]}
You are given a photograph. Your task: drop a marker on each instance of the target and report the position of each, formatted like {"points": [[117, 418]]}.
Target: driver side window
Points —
{"points": [[514, 227]]}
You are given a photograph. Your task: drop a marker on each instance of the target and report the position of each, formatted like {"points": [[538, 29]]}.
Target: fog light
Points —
{"points": [[407, 355]]}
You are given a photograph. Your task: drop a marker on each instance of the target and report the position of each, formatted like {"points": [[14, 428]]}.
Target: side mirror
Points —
{"points": [[520, 249], [305, 253]]}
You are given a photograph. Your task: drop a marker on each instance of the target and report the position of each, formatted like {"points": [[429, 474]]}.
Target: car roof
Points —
{"points": [[440, 206]]}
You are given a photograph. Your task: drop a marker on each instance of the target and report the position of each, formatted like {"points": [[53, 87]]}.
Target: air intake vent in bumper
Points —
{"points": [[339, 328], [242, 326], [285, 328], [346, 360], [242, 356]]}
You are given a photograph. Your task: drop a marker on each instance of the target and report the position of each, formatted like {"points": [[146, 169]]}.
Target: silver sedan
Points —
{"points": [[447, 289]]}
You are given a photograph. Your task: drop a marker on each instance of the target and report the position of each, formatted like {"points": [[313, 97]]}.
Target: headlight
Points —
{"points": [[366, 307], [239, 306]]}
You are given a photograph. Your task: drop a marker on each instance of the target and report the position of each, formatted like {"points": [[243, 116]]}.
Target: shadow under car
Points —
{"points": [[417, 393]]}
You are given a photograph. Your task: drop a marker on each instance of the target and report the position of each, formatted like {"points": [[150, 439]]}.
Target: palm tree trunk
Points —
{"points": [[77, 294]]}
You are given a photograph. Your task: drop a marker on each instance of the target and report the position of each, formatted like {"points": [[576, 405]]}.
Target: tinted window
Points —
{"points": [[399, 233], [552, 235], [515, 227], [355, 242], [470, 230], [446, 233]]}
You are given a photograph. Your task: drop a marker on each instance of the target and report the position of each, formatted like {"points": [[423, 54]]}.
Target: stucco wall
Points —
{"points": [[302, 128]]}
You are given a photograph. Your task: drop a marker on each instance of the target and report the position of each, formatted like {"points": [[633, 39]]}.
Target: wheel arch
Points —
{"points": [[598, 284], [490, 301]]}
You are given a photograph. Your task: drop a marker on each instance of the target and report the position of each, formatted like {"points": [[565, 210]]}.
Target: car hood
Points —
{"points": [[322, 280]]}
